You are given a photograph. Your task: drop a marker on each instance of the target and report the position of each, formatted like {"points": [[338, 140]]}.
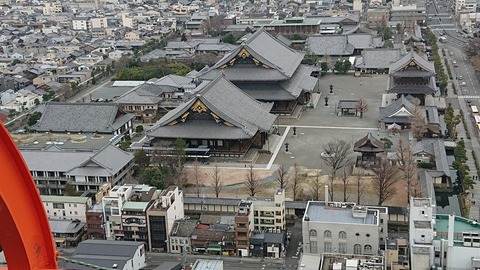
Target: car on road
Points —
{"points": [[460, 77], [463, 83]]}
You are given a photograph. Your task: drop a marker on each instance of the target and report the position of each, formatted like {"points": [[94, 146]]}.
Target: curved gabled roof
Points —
{"points": [[412, 56], [226, 101]]}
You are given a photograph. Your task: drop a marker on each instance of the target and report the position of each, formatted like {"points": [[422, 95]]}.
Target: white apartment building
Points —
{"points": [[81, 23], [335, 227], [97, 23], [161, 217], [129, 22], [66, 207], [112, 210], [269, 213], [421, 233], [22, 100], [52, 8]]}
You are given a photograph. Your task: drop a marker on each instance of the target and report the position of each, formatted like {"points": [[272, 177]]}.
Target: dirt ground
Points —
{"points": [[233, 178]]}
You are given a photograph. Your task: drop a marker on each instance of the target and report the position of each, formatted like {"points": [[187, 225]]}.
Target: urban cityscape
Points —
{"points": [[259, 134]]}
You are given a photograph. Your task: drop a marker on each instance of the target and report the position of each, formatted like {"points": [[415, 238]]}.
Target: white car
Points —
{"points": [[460, 77], [464, 83]]}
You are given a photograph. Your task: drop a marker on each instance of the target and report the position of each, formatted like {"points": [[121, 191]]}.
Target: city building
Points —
{"points": [[53, 168], [180, 237], [244, 227], [134, 221], [95, 222], [343, 228], [109, 254], [161, 216], [409, 14], [269, 213], [421, 233], [351, 262], [66, 207]]}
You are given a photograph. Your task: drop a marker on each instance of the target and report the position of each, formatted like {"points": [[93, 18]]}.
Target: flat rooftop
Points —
{"points": [[67, 141], [64, 199], [138, 206], [461, 225], [208, 265], [319, 212]]}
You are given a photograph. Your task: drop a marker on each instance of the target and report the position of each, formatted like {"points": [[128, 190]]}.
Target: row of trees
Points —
{"points": [[459, 164], [441, 76]]}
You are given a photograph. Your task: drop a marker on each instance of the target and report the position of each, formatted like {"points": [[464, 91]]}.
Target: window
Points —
{"points": [[327, 247], [327, 234], [357, 249], [342, 235], [342, 248], [313, 247], [313, 233], [367, 249]]}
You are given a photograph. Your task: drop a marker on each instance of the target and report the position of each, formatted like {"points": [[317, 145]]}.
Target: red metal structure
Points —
{"points": [[25, 234]]}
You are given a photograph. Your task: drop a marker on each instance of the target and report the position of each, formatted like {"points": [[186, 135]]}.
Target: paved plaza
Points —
{"points": [[322, 124]]}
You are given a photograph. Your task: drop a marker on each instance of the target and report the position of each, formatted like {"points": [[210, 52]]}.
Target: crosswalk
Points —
{"points": [[469, 97]]}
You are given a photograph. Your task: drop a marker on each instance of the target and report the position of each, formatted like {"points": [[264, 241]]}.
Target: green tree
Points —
{"points": [[229, 39], [154, 176], [139, 129], [70, 190], [179, 68], [184, 37], [141, 159], [180, 147], [297, 37], [399, 28], [248, 30], [388, 44], [33, 119], [36, 102], [124, 145], [324, 67]]}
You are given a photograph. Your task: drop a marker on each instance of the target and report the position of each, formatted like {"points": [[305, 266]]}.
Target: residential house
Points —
{"points": [[67, 233], [66, 207], [81, 23], [180, 237], [22, 100], [133, 35]]}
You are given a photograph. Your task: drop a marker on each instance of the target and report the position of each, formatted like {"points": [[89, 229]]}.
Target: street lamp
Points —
{"points": [[331, 88], [286, 146], [326, 101], [294, 131]]}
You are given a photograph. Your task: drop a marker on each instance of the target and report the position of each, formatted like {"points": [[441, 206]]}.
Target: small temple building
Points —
{"points": [[369, 147], [267, 70], [412, 75], [221, 120]]}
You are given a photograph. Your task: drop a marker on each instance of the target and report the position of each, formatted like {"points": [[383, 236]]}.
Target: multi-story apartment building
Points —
{"points": [[411, 14], [66, 207], [81, 23], [421, 233], [112, 206], [161, 217], [243, 228], [52, 168], [343, 228], [52, 8], [134, 221], [269, 213], [98, 23], [95, 222]]}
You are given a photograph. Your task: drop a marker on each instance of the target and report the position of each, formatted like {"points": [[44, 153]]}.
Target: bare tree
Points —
{"points": [[282, 177], [386, 176], [417, 123], [359, 186], [251, 181], [346, 181], [361, 106], [217, 181], [336, 155], [196, 176], [408, 166], [297, 179], [316, 186]]}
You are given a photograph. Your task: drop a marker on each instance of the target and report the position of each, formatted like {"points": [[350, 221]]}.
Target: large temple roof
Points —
{"points": [[412, 59], [272, 60], [220, 110]]}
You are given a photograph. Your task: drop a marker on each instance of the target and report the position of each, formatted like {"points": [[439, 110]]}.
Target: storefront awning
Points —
{"points": [[214, 249]]}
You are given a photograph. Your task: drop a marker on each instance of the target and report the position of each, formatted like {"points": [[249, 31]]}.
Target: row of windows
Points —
{"points": [[342, 248], [328, 234]]}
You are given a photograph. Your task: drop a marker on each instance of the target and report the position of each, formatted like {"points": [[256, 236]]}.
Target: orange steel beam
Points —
{"points": [[25, 234]]}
